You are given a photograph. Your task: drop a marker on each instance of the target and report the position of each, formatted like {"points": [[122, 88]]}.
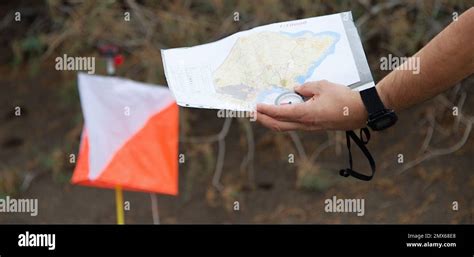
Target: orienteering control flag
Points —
{"points": [[130, 135]]}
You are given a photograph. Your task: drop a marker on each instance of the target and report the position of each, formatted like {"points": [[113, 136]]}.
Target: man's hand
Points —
{"points": [[329, 107]]}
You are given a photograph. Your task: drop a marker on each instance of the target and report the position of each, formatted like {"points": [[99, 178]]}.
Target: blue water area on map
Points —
{"points": [[302, 78]]}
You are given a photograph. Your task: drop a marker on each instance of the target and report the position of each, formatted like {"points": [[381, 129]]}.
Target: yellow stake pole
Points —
{"points": [[118, 189], [119, 204]]}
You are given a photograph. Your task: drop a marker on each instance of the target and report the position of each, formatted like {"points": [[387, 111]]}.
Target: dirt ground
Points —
{"points": [[35, 148]]}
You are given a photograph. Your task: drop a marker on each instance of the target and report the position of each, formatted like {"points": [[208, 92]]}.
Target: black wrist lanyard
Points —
{"points": [[360, 142]]}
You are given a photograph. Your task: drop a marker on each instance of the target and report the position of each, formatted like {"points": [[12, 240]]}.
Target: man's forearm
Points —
{"points": [[444, 61]]}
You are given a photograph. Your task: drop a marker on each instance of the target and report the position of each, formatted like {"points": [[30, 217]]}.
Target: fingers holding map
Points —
{"points": [[258, 65]]}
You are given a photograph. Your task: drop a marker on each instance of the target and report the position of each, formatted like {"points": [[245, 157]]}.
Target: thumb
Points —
{"points": [[310, 88]]}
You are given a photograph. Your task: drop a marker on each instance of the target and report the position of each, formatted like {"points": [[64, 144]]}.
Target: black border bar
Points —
{"points": [[240, 240]]}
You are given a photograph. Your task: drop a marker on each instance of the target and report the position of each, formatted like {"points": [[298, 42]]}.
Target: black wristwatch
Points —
{"points": [[380, 117]]}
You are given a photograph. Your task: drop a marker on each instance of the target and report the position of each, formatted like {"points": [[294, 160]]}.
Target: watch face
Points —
{"points": [[384, 121]]}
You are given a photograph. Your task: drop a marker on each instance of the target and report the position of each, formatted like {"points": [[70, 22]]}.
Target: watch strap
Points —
{"points": [[372, 101]]}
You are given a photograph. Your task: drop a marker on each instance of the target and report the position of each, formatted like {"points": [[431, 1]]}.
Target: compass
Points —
{"points": [[289, 98]]}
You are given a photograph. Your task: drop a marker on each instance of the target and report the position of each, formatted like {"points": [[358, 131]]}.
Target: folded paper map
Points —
{"points": [[258, 65]]}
